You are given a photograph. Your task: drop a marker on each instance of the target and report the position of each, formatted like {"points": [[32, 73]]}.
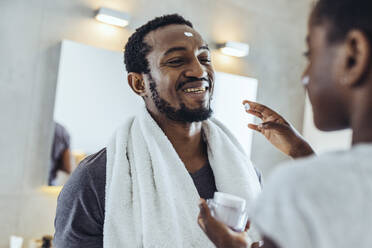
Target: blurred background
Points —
{"points": [[59, 63]]}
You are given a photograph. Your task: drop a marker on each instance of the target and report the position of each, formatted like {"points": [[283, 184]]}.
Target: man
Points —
{"points": [[323, 201], [141, 191], [61, 154]]}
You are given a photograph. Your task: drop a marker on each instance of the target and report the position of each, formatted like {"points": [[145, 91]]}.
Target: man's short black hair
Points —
{"points": [[136, 49], [343, 16]]}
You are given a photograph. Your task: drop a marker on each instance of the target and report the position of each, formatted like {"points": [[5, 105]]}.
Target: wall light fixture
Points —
{"points": [[232, 48], [113, 17]]}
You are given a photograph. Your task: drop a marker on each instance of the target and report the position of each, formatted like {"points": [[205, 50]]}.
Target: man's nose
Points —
{"points": [[196, 70]]}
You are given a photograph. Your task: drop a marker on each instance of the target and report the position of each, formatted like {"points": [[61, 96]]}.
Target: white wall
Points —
{"points": [[31, 32]]}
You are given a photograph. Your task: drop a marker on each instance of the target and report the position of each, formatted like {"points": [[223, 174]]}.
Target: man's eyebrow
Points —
{"points": [[308, 39], [174, 49]]}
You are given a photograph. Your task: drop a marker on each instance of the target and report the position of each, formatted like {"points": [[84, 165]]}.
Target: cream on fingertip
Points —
{"points": [[305, 80], [247, 106]]}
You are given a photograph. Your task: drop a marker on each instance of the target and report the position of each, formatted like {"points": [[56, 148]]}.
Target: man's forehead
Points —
{"points": [[173, 35]]}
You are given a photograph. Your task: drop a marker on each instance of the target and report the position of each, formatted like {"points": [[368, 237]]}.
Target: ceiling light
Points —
{"points": [[236, 49], [113, 17]]}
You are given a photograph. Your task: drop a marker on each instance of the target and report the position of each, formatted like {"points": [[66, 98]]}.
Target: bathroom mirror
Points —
{"points": [[93, 98]]}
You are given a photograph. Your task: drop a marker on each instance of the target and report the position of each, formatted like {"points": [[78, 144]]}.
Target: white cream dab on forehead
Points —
{"points": [[188, 34]]}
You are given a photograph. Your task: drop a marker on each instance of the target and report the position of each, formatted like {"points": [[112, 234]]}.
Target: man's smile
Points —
{"points": [[197, 90]]}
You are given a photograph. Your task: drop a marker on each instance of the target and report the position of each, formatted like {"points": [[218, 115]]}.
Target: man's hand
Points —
{"points": [[220, 234], [278, 131]]}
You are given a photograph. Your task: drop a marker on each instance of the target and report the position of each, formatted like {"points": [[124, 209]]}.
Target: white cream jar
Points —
{"points": [[229, 209]]}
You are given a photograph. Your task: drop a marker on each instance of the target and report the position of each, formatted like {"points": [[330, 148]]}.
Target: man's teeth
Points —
{"points": [[195, 90]]}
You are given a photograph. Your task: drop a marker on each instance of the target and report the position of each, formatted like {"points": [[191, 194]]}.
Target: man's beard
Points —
{"points": [[183, 114]]}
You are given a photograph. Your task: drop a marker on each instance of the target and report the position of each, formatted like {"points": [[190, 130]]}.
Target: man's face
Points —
{"points": [[181, 75], [323, 80]]}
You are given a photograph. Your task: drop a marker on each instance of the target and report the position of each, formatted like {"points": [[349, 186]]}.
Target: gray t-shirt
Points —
{"points": [[81, 203]]}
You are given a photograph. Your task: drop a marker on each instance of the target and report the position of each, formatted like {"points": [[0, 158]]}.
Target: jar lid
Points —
{"points": [[229, 200]]}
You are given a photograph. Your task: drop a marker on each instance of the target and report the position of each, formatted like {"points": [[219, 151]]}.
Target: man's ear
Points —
{"points": [[136, 82], [358, 57]]}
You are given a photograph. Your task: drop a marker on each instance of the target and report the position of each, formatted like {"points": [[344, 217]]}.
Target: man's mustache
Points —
{"points": [[193, 79]]}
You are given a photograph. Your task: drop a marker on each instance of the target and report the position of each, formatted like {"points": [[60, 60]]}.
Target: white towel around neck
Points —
{"points": [[151, 200]]}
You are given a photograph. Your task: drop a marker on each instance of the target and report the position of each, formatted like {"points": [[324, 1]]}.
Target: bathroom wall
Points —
{"points": [[31, 31]]}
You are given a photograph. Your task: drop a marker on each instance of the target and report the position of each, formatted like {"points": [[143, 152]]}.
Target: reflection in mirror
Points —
{"points": [[93, 98], [61, 157]]}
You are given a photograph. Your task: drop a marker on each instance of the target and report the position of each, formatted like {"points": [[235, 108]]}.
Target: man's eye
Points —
{"points": [[205, 60], [307, 54], [176, 61]]}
